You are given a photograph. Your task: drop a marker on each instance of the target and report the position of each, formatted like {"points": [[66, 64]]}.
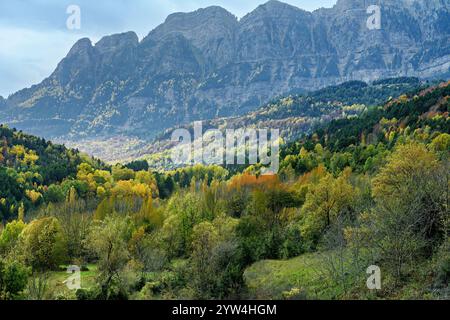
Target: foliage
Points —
{"points": [[13, 279], [43, 244], [360, 191]]}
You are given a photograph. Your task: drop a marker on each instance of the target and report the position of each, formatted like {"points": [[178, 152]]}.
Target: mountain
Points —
{"points": [[208, 64], [294, 115], [423, 113]]}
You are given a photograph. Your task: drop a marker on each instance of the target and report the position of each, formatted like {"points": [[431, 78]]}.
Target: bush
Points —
{"points": [[443, 266], [13, 279], [83, 294], [54, 194]]}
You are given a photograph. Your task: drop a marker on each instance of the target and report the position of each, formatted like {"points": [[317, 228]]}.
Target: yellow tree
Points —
{"points": [[21, 213], [411, 195], [150, 215], [325, 201], [104, 209]]}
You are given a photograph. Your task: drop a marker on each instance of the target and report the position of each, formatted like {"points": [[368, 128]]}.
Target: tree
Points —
{"points": [[204, 239], [21, 212], [138, 165], [415, 179], [43, 244], [149, 215], [147, 251], [108, 241], [325, 201], [441, 143], [185, 212], [13, 279], [251, 233], [398, 243], [54, 194], [104, 209], [148, 179], [120, 173], [72, 195], [75, 223], [10, 235], [411, 195], [11, 192]]}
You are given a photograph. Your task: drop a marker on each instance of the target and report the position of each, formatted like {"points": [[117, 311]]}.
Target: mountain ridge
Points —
{"points": [[207, 64], [294, 115]]}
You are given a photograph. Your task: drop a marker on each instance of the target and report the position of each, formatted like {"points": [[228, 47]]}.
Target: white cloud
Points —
{"points": [[28, 56]]}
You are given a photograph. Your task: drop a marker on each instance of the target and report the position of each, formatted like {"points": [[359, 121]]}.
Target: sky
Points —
{"points": [[34, 36]]}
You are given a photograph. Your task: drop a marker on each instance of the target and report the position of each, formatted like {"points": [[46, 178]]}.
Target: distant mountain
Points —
{"points": [[208, 64], [294, 115]]}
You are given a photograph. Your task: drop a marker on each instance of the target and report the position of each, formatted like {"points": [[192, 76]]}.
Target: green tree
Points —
{"points": [[204, 239], [13, 279], [108, 241], [10, 235], [43, 244], [120, 173], [54, 194]]}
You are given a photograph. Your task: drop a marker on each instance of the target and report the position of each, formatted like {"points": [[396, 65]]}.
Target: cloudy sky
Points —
{"points": [[34, 36]]}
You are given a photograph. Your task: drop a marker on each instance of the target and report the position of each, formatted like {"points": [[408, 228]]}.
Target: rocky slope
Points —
{"points": [[294, 115], [208, 64]]}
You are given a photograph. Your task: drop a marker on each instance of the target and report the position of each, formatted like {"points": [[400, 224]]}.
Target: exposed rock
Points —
{"points": [[206, 64]]}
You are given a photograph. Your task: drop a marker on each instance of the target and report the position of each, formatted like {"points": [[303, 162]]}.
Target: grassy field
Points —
{"points": [[305, 277], [57, 278], [274, 279]]}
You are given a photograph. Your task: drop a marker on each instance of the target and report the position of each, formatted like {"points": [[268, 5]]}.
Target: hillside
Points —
{"points": [[369, 190], [294, 115], [28, 165], [365, 144]]}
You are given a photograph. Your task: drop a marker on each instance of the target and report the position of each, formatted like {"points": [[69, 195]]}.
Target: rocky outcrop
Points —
{"points": [[207, 64]]}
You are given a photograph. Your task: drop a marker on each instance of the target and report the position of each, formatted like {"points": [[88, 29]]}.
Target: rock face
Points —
{"points": [[207, 64]]}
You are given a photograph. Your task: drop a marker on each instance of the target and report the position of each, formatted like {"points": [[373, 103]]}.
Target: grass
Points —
{"points": [[295, 278], [56, 280], [305, 277]]}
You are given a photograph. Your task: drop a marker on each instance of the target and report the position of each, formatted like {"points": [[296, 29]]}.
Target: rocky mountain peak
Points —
{"points": [[81, 47], [211, 12], [202, 23], [273, 8], [363, 4], [278, 5], [211, 30], [117, 42]]}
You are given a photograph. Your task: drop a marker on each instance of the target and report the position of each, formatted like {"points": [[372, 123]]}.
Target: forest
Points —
{"points": [[357, 192]]}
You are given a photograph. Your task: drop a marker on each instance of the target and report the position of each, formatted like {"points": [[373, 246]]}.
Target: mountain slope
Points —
{"points": [[207, 64], [28, 165], [293, 115]]}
